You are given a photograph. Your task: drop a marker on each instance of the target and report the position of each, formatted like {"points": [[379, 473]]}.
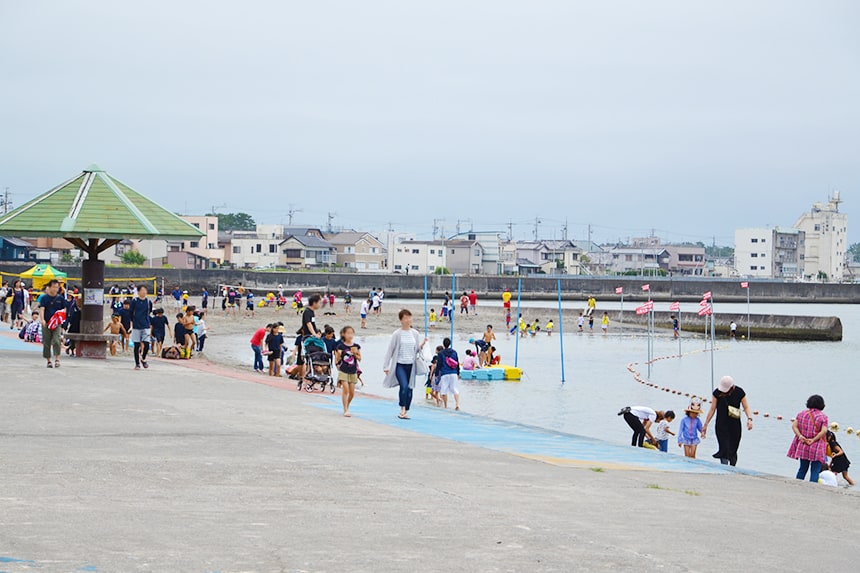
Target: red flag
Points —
{"points": [[745, 285], [619, 290], [705, 310], [675, 307], [642, 309], [704, 303], [646, 287], [706, 296]]}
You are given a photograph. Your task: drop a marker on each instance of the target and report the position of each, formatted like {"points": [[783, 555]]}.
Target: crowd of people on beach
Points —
{"points": [[138, 326]]}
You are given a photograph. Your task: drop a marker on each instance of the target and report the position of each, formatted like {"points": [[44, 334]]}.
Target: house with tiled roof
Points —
{"points": [[306, 252], [358, 251]]}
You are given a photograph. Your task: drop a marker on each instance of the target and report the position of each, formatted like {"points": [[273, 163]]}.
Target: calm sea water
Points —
{"points": [[777, 376]]}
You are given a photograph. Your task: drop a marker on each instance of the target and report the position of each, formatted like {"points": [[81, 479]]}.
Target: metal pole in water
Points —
{"points": [[426, 316], [451, 314], [561, 330], [748, 311], [679, 333], [621, 329], [713, 341], [517, 330]]}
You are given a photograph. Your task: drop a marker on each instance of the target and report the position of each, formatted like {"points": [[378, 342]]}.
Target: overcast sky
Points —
{"points": [[692, 118]]}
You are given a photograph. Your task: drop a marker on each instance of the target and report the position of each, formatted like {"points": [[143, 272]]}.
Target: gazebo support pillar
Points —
{"points": [[93, 309], [91, 343]]}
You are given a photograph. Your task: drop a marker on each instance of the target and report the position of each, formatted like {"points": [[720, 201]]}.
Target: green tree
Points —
{"points": [[135, 258], [854, 251], [234, 221]]}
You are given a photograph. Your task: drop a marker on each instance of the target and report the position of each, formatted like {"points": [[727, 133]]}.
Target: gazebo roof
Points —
{"points": [[95, 205]]}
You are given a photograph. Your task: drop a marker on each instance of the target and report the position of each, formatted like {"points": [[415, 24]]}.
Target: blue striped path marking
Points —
{"points": [[525, 441]]}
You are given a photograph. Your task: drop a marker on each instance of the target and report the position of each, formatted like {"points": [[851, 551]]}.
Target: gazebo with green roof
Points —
{"points": [[94, 211]]}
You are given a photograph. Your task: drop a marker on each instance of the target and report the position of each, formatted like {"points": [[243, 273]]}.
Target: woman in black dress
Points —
{"points": [[727, 404]]}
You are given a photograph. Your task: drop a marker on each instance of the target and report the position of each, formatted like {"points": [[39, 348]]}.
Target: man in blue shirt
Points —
{"points": [[140, 309], [177, 297], [51, 303]]}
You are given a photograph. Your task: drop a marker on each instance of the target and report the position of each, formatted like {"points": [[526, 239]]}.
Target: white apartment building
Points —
{"points": [[417, 257], [826, 240], [770, 253]]}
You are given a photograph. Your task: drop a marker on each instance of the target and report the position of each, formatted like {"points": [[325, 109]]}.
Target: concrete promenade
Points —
{"points": [[191, 468]]}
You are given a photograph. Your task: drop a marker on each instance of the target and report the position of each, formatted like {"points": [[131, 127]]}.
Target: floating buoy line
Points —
{"points": [[631, 367]]}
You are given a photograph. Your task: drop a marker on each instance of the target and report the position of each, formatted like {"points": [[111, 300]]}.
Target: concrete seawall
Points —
{"points": [[534, 288]]}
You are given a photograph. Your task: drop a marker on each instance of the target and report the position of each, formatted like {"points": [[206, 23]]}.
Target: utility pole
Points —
{"points": [[292, 213], [537, 222], [215, 208], [6, 203], [564, 231], [510, 230], [436, 227], [463, 221], [589, 237], [331, 217]]}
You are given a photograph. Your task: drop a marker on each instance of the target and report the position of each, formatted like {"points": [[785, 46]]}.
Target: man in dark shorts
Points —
{"points": [[309, 327], [140, 309]]}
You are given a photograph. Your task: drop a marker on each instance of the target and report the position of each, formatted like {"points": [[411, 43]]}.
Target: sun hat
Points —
{"points": [[694, 407], [726, 384]]}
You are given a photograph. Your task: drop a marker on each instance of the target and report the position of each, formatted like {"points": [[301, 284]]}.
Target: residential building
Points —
{"points": [[14, 249], [248, 250], [417, 257], [207, 246], [686, 259], [491, 243], [645, 260], [186, 260], [770, 253], [358, 251], [307, 251], [549, 257], [753, 252], [826, 232]]}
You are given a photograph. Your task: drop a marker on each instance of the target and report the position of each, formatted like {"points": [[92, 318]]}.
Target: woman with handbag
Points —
{"points": [[727, 404], [809, 444], [403, 361]]}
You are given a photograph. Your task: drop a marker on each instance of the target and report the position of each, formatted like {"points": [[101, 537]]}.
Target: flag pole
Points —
{"points": [[517, 331], [748, 312], [713, 339], [426, 316], [453, 294], [621, 329], [560, 331], [680, 353]]}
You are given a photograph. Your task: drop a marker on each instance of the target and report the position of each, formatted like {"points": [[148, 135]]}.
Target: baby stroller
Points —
{"points": [[317, 366]]}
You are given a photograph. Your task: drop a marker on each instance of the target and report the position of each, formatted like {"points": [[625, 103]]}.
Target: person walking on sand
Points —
{"points": [[690, 429], [809, 445], [728, 401], [402, 361], [604, 322], [473, 303]]}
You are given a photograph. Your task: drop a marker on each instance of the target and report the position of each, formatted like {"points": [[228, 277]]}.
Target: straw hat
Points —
{"points": [[726, 384], [693, 408]]}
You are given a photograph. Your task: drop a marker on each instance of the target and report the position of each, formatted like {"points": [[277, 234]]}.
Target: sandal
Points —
{"points": [[56, 363], [50, 365]]}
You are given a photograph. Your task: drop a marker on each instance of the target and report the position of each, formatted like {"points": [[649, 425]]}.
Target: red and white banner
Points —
{"points": [[675, 307], [646, 288], [645, 308], [619, 290], [745, 285], [706, 296], [704, 303], [705, 310]]}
